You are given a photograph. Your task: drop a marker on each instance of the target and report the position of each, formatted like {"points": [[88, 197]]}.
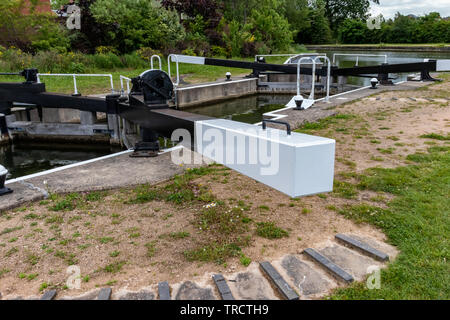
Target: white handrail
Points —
{"points": [[275, 55], [178, 70], [74, 75], [327, 99], [357, 55], [311, 96], [151, 61], [128, 80], [289, 61]]}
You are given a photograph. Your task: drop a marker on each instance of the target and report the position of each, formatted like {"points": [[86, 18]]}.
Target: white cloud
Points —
{"points": [[388, 8]]}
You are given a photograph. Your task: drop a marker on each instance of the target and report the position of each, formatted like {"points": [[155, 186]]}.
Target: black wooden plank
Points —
{"points": [[283, 287], [164, 291], [49, 295], [363, 247], [222, 286], [329, 265], [104, 294]]}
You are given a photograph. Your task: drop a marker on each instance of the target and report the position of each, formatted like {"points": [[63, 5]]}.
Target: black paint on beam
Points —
{"points": [[283, 287], [329, 265], [362, 247]]}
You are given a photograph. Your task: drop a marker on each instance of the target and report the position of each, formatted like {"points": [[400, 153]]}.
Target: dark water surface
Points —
{"points": [[25, 159]]}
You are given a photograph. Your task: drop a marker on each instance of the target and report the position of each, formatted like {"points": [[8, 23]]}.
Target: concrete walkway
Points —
{"points": [[322, 109], [111, 173]]}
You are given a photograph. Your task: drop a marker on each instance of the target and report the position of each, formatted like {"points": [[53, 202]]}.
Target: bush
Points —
{"points": [[218, 51], [146, 53]]}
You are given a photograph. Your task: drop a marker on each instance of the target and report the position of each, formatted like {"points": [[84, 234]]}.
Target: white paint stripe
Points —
{"points": [[215, 84], [78, 164], [281, 116]]}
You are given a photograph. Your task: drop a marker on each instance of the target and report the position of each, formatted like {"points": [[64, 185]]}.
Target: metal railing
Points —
{"points": [[151, 62], [327, 99], [74, 75], [313, 80], [128, 80], [289, 61], [275, 55], [357, 55], [177, 61], [291, 55]]}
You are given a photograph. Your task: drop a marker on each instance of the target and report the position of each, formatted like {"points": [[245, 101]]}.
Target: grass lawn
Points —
{"points": [[417, 221]]}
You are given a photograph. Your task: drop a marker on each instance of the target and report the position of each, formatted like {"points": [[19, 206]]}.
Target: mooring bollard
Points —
{"points": [[3, 189]]}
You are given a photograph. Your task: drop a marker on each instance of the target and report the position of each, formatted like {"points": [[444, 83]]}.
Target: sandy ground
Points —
{"points": [[98, 234]]}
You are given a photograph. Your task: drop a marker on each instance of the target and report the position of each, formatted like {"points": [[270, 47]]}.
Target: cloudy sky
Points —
{"points": [[417, 7]]}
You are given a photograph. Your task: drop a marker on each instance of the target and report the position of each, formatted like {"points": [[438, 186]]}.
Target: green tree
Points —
{"points": [[319, 31], [271, 27], [297, 13], [337, 11], [140, 23], [30, 32]]}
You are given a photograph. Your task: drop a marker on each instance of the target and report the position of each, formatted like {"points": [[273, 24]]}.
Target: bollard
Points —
{"points": [[3, 189]]}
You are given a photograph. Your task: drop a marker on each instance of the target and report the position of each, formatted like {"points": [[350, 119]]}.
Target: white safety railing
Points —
{"points": [[128, 80], [357, 55], [327, 98], [313, 81], [290, 60], [171, 59], [151, 61], [74, 75], [275, 55], [291, 55]]}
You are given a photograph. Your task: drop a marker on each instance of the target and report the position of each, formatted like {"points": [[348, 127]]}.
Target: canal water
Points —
{"points": [[24, 159]]}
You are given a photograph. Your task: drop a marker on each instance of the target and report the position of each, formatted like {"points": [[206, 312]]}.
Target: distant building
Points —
{"points": [[42, 6]]}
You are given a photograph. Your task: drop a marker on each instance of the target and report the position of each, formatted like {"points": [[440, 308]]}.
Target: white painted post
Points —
{"points": [[327, 99], [75, 84]]}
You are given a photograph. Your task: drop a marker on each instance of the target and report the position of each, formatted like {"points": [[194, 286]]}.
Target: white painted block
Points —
{"points": [[296, 164], [189, 59], [443, 65]]}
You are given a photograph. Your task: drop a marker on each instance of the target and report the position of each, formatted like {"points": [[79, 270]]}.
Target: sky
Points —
{"points": [[388, 8]]}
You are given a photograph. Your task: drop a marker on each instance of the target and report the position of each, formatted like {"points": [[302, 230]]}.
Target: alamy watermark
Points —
{"points": [[74, 17], [375, 22], [250, 147], [374, 280], [74, 279]]}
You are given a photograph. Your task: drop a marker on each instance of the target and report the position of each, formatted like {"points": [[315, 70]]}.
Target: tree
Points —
{"points": [[297, 13], [30, 32], [139, 23], [238, 10], [271, 27], [319, 30], [337, 11], [208, 9]]}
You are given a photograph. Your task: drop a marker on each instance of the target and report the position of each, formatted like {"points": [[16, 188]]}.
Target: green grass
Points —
{"points": [[416, 221], [114, 267], [436, 137], [214, 252], [270, 231], [244, 260]]}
